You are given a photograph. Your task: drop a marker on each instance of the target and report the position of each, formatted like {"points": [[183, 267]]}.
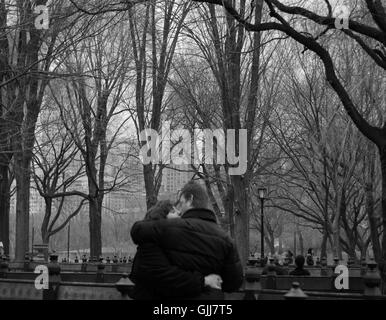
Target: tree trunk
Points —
{"points": [[349, 247], [382, 153], [336, 248], [95, 222], [336, 240], [295, 253], [280, 245], [4, 205], [151, 195], [5, 154], [342, 212], [241, 217], [369, 204], [46, 241], [272, 246], [220, 218], [22, 176], [301, 243], [268, 242], [364, 251], [48, 210], [323, 249], [95, 227], [44, 229], [352, 236], [229, 210]]}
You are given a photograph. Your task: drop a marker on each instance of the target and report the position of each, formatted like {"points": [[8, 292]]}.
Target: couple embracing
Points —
{"points": [[182, 252]]}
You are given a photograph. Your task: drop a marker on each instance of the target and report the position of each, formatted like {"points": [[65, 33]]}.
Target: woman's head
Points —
{"points": [[159, 211]]}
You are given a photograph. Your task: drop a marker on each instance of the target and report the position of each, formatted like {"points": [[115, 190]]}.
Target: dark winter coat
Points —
{"points": [[194, 243], [151, 272]]}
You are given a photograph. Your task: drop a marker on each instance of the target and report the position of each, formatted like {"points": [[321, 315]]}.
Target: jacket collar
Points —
{"points": [[200, 213]]}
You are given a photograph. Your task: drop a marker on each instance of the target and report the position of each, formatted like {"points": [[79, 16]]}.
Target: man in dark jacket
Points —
{"points": [[151, 268], [195, 242]]}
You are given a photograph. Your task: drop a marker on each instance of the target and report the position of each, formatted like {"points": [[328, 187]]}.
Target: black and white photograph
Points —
{"points": [[194, 157]]}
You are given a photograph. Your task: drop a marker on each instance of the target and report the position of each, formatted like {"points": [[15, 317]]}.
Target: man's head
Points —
{"points": [[299, 261], [191, 196]]}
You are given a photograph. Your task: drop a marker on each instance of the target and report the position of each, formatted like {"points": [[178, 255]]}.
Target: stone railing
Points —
{"points": [[22, 286], [367, 284], [103, 286]]}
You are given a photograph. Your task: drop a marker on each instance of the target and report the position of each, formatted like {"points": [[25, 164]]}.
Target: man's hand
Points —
{"points": [[213, 281], [174, 213]]}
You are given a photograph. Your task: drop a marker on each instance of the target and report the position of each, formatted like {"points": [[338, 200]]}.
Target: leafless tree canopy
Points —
{"points": [[308, 89]]}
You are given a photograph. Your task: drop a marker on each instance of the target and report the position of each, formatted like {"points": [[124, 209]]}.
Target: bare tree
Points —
{"points": [[90, 102], [26, 56], [231, 96], [154, 27], [370, 36], [56, 168], [325, 153]]}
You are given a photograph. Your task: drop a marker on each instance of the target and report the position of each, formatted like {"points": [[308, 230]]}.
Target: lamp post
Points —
{"points": [[262, 195]]}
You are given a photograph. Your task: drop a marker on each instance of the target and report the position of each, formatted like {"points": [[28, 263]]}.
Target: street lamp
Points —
{"points": [[262, 195]]}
